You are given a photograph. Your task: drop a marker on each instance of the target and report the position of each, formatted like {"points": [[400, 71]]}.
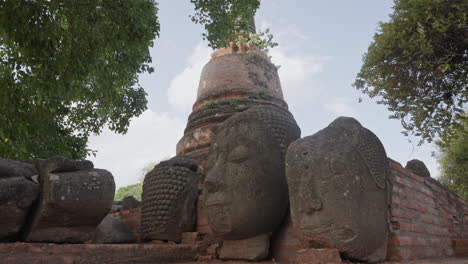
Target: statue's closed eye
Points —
{"points": [[238, 154]]}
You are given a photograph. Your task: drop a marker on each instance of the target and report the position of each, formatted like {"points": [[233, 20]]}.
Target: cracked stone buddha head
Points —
{"points": [[245, 189], [337, 186]]}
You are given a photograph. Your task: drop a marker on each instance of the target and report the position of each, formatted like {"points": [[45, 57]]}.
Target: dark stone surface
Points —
{"points": [[112, 230], [245, 190], [71, 205], [130, 202], [338, 194], [169, 200], [418, 167], [116, 207], [12, 168], [63, 164], [17, 195]]}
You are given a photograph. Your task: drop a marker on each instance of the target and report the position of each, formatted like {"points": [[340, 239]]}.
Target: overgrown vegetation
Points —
{"points": [[417, 65], [67, 68], [453, 160], [70, 68]]}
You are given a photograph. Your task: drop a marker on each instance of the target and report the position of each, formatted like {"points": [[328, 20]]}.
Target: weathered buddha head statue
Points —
{"points": [[169, 199], [245, 189], [337, 190]]}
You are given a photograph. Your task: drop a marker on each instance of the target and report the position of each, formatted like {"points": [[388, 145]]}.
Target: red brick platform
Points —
{"points": [[30, 253]]}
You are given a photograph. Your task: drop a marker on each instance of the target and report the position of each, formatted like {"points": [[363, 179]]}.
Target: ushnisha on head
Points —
{"points": [[245, 190]]}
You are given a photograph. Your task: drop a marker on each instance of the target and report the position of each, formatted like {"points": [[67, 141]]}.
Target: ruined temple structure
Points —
{"points": [[243, 187], [234, 80]]}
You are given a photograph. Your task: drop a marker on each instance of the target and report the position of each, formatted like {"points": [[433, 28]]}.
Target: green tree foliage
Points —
{"points": [[417, 66], [67, 69], [134, 190], [453, 160], [223, 19]]}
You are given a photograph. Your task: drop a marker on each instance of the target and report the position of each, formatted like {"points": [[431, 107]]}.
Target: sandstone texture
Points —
{"points": [[13, 168], [318, 256], [418, 167], [245, 190], [337, 190], [112, 230], [72, 203], [252, 249], [169, 200], [17, 195]]}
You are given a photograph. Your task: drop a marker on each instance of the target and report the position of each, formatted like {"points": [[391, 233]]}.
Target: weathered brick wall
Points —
{"points": [[426, 218], [285, 243], [202, 224]]}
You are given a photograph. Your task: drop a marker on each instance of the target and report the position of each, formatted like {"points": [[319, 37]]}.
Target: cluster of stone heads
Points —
{"points": [[259, 171], [58, 200]]}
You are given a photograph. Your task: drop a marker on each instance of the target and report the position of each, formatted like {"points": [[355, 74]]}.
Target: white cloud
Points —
{"points": [[151, 137], [341, 107], [182, 91], [296, 74], [297, 70]]}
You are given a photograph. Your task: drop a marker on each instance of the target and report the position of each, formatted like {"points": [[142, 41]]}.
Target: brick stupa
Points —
{"points": [[234, 80]]}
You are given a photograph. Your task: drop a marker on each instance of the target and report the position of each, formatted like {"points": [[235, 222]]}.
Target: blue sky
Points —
{"points": [[320, 50]]}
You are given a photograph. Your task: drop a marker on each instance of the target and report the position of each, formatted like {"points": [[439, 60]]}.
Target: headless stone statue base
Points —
{"points": [[252, 249]]}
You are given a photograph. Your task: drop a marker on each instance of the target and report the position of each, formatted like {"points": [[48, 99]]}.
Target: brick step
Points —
{"points": [[42, 253]]}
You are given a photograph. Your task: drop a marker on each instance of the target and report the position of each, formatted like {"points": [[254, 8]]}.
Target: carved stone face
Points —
{"points": [[245, 191], [338, 197]]}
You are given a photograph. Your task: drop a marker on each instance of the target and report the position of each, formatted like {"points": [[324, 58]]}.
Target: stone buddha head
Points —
{"points": [[245, 189], [337, 186], [169, 199]]}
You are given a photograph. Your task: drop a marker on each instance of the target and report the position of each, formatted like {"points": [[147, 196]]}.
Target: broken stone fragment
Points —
{"points": [[418, 167], [116, 207], [12, 168], [130, 202], [17, 194], [72, 203], [112, 230], [337, 190]]}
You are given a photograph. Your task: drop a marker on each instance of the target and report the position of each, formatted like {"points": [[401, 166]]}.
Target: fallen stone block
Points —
{"points": [[112, 230], [72, 203]]}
